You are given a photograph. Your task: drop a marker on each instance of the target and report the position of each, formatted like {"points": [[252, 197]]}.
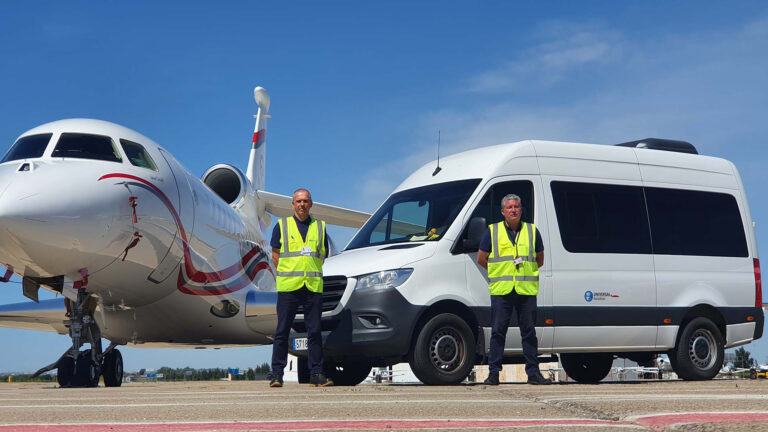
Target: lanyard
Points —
{"points": [[517, 235]]}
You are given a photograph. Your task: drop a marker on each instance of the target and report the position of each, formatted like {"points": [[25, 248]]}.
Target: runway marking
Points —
{"points": [[646, 397], [312, 425], [653, 421], [661, 421], [262, 403]]}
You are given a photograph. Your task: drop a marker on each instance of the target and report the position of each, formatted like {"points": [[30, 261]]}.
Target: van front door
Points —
{"points": [[489, 208]]}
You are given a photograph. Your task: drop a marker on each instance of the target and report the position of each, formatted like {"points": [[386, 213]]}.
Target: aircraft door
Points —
{"points": [[489, 208], [155, 199], [185, 221]]}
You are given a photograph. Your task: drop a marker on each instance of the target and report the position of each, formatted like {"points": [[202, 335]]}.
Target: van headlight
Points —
{"points": [[383, 279]]}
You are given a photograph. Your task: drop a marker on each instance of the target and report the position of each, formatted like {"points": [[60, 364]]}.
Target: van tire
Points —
{"points": [[347, 373], [587, 368], [700, 351], [444, 351]]}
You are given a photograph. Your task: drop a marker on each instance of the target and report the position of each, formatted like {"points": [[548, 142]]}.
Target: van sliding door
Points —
{"points": [[604, 292]]}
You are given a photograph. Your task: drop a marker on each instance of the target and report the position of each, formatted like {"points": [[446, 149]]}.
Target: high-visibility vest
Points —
{"points": [[296, 268], [503, 275]]}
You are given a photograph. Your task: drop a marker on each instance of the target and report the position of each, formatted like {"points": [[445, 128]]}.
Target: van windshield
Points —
{"points": [[419, 214]]}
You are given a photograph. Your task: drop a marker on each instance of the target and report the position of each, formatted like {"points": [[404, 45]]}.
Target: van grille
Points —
{"points": [[333, 289]]}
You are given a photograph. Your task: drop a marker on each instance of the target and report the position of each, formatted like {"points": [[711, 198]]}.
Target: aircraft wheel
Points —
{"points": [[699, 351], [66, 371], [86, 371], [347, 373], [113, 369], [444, 351], [589, 368]]}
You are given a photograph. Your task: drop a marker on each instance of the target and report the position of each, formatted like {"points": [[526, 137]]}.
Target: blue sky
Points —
{"points": [[366, 86]]}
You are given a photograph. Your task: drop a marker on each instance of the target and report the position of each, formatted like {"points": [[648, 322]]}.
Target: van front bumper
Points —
{"points": [[375, 325]]}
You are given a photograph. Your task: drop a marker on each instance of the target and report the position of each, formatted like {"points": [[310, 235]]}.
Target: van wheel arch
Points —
{"points": [[446, 306], [704, 311]]}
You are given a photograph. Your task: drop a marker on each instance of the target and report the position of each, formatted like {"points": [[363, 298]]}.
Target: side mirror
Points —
{"points": [[475, 231]]}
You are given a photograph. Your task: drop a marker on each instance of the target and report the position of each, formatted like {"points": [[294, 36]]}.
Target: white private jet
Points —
{"points": [[142, 251]]}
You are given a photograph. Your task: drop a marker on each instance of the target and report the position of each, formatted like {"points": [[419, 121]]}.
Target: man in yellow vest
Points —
{"points": [[512, 251], [299, 247]]}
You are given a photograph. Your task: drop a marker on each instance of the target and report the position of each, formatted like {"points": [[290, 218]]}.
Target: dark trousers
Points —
{"points": [[501, 313], [287, 302]]}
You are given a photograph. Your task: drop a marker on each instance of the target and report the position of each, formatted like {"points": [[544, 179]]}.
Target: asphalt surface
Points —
{"points": [[720, 405]]}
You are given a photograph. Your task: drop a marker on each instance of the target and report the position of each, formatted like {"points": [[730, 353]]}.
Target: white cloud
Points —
{"points": [[544, 64], [710, 89]]}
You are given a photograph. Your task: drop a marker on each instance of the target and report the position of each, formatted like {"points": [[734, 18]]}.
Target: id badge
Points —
{"points": [[306, 251], [517, 261]]}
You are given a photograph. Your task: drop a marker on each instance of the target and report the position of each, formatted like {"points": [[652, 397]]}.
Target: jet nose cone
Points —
{"points": [[54, 222]]}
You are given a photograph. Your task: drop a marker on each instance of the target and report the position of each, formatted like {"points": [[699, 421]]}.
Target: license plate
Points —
{"points": [[300, 344]]}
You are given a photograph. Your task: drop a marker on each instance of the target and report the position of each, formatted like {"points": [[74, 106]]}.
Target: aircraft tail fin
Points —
{"points": [[256, 162]]}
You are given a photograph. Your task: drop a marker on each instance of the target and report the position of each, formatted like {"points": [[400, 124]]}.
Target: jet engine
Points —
{"points": [[227, 182]]}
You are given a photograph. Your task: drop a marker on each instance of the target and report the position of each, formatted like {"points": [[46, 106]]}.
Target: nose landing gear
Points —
{"points": [[83, 368]]}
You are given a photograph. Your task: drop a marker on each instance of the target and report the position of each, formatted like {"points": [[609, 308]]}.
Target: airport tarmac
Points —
{"points": [[729, 405]]}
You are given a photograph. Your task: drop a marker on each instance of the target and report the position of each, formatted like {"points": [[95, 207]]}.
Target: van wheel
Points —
{"points": [[700, 350], [347, 373], [444, 351], [589, 368]]}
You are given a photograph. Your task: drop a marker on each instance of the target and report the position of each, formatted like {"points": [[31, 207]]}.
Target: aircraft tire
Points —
{"points": [[444, 351], [113, 369], [587, 368], [86, 371], [700, 350], [347, 373], [66, 371]]}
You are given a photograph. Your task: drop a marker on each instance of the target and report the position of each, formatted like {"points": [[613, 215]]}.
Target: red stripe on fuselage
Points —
{"points": [[192, 273]]}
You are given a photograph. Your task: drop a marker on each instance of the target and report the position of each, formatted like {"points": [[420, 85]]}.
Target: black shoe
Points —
{"points": [[319, 380], [493, 379], [277, 381], [538, 380]]}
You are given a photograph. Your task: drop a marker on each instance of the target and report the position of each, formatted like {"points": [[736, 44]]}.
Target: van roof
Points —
{"points": [[521, 158]]}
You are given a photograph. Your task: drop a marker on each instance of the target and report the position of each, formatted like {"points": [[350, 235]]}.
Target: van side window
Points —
{"points": [[489, 206], [599, 218], [686, 222], [138, 155]]}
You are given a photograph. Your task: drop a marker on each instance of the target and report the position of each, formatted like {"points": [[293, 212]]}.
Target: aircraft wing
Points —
{"points": [[280, 205], [48, 315]]}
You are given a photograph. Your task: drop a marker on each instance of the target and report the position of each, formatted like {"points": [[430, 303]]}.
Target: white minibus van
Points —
{"points": [[649, 249]]}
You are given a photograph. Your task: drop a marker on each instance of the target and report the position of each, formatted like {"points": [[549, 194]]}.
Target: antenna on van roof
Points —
{"points": [[437, 170]]}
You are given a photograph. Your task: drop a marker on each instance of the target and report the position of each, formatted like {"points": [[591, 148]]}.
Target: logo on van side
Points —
{"points": [[598, 296]]}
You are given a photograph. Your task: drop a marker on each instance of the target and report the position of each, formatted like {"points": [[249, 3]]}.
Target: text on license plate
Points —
{"points": [[300, 344]]}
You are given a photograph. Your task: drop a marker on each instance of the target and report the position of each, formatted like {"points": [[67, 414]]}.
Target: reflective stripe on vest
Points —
{"points": [[503, 275], [294, 268]]}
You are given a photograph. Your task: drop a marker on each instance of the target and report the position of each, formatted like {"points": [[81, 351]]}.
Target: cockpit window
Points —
{"points": [[86, 146], [28, 147], [137, 154]]}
